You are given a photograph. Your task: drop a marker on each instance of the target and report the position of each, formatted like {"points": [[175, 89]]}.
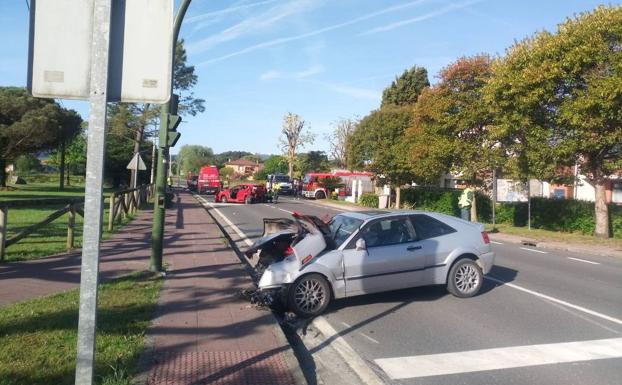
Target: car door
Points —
{"points": [[393, 257], [435, 238]]}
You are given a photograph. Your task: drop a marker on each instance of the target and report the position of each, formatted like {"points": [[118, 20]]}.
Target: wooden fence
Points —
{"points": [[121, 205]]}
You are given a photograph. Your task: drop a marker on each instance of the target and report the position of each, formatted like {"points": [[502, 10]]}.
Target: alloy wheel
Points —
{"points": [[309, 295], [467, 278]]}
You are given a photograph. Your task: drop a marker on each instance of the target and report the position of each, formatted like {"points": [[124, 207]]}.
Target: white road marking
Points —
{"points": [[358, 365], [496, 243], [583, 260], [369, 338], [534, 250], [500, 358], [231, 225], [346, 325], [559, 301]]}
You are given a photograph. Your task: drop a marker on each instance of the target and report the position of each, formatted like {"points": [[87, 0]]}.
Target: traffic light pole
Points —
{"points": [[157, 233]]}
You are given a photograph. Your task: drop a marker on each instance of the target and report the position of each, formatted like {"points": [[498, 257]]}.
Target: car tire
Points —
{"points": [[223, 199], [309, 295], [465, 278], [320, 195]]}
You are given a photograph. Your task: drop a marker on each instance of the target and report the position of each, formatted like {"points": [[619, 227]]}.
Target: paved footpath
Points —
{"points": [[203, 333]]}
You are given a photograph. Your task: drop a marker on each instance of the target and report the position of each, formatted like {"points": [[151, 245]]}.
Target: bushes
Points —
{"points": [[548, 214], [369, 200]]}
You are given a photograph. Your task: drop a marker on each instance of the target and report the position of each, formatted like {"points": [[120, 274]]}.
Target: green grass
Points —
{"points": [[556, 236], [38, 337], [52, 238]]}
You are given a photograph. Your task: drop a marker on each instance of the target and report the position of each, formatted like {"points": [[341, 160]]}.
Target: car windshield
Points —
{"points": [[342, 226], [281, 178]]}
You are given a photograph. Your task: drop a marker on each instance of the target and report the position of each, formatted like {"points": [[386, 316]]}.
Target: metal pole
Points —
{"points": [[494, 199], [93, 200], [157, 233], [528, 204], [153, 161]]}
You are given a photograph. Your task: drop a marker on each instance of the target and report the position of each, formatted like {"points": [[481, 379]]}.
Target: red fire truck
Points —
{"points": [[207, 182], [313, 188]]}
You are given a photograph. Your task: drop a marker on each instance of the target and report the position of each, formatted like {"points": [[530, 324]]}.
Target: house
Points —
{"points": [[244, 167]]}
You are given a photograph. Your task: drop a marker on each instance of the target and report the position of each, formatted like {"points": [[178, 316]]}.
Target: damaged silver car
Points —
{"points": [[304, 262]]}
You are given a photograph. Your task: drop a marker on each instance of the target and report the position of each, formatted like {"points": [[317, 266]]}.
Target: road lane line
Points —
{"points": [[346, 325], [559, 301], [584, 260], [496, 243], [369, 338], [534, 250], [500, 358], [230, 224]]}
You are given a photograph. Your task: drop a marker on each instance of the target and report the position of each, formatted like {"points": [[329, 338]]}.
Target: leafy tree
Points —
{"points": [[312, 161], [331, 183], [452, 125], [260, 175], [225, 172], [184, 80], [28, 125], [338, 140], [193, 157], [70, 128], [252, 158], [275, 164], [75, 157], [293, 137], [557, 99], [27, 163], [377, 145], [405, 89]]}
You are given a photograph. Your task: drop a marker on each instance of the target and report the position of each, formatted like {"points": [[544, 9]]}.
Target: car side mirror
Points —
{"points": [[360, 244]]}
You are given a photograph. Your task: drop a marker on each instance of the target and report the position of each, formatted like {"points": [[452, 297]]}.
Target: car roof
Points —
{"points": [[373, 214]]}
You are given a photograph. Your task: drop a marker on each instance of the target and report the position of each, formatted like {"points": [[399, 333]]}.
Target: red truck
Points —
{"points": [[312, 183], [207, 182]]}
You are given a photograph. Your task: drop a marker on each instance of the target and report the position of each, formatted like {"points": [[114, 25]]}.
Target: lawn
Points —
{"points": [[38, 337], [49, 239]]}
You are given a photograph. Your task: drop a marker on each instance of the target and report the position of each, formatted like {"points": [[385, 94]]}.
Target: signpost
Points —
{"points": [[92, 50], [135, 165]]}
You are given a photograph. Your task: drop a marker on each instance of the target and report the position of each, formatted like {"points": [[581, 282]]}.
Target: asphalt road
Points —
{"points": [[551, 317]]}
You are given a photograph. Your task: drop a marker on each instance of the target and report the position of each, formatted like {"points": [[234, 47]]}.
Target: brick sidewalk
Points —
{"points": [[204, 333], [124, 252]]}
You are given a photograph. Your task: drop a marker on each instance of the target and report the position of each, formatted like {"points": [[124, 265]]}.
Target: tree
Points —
{"points": [[275, 164], [27, 163], [184, 80], [405, 89], [224, 157], [377, 145], [70, 128], [316, 161], [338, 139], [253, 158], [452, 125], [75, 157], [27, 125], [557, 99], [293, 137], [193, 157]]}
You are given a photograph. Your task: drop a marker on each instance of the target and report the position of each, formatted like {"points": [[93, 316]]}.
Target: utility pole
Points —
{"points": [[157, 233]]}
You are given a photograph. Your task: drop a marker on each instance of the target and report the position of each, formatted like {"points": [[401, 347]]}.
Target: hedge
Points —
{"points": [[549, 214], [369, 200]]}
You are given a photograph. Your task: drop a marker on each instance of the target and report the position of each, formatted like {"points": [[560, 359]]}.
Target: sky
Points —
{"points": [[325, 60]]}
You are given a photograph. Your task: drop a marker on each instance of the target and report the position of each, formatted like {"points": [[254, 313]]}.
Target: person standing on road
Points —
{"points": [[465, 202], [299, 189], [275, 188]]}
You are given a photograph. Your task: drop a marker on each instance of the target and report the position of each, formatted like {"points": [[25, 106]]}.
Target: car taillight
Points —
{"points": [[289, 251], [485, 237], [307, 259]]}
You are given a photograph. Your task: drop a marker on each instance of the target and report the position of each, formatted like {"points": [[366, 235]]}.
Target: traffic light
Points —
{"points": [[173, 122]]}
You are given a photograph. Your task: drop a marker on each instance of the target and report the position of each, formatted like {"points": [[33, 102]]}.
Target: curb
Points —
{"points": [[289, 355]]}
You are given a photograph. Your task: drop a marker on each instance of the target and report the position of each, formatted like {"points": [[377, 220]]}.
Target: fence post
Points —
{"points": [[126, 206], [3, 218], [70, 226], [136, 200], [111, 212]]}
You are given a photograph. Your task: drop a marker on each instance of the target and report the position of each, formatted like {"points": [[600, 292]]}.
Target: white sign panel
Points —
{"points": [[60, 48], [140, 50]]}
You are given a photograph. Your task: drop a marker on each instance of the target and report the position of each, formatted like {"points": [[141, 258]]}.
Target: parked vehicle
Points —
{"points": [[305, 263], [313, 188], [284, 182], [243, 193], [209, 180], [192, 181]]}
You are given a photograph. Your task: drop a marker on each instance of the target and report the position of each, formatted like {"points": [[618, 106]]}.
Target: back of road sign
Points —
{"points": [[141, 47]]}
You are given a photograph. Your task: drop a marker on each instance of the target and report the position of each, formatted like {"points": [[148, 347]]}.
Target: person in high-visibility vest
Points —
{"points": [[465, 202]]}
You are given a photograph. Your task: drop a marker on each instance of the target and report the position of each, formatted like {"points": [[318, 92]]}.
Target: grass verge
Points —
{"points": [[52, 238], [556, 236], [38, 337]]}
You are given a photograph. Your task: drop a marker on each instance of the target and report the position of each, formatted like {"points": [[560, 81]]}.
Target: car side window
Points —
{"points": [[388, 231], [428, 227]]}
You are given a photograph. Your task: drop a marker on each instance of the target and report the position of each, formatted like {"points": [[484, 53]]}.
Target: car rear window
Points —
{"points": [[428, 227]]}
